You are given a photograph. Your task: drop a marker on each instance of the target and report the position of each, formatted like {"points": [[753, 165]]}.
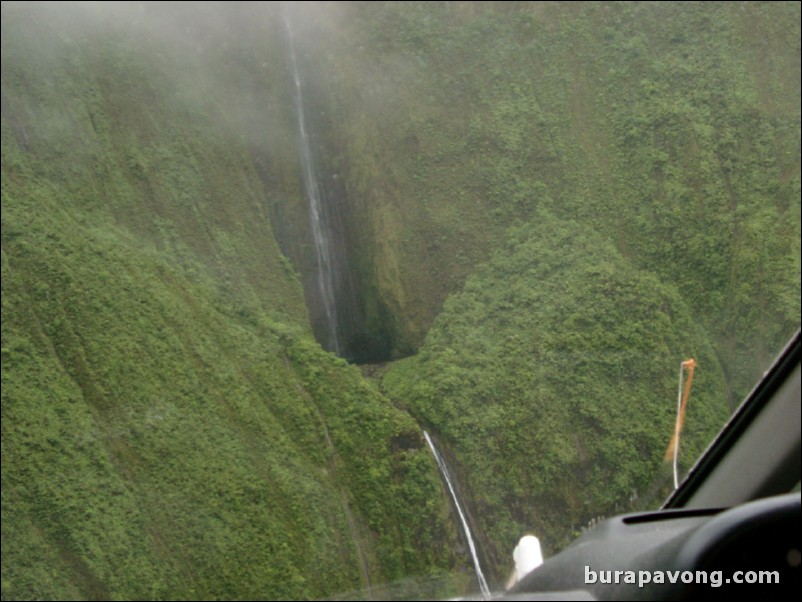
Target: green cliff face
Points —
{"points": [[546, 205], [170, 428], [671, 129], [554, 373]]}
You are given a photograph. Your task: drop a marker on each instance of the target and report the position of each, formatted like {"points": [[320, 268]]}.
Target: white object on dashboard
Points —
{"points": [[527, 556]]}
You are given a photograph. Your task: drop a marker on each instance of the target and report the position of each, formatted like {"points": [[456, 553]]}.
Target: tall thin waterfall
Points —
{"points": [[317, 215], [441, 464]]}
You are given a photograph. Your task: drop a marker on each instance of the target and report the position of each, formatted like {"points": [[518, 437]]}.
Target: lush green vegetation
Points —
{"points": [[552, 376], [647, 159], [673, 129], [552, 203], [170, 429]]}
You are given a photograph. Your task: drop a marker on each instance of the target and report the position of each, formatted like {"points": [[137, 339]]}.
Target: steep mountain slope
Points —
{"points": [[672, 128], [170, 427], [551, 204], [552, 377], [648, 159]]}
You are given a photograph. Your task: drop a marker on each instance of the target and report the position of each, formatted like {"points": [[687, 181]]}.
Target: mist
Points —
{"points": [[538, 208]]}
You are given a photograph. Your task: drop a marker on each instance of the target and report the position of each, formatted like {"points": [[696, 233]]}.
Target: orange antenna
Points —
{"points": [[672, 451]]}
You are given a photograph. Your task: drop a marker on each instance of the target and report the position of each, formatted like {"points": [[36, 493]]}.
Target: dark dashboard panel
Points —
{"points": [[614, 560]]}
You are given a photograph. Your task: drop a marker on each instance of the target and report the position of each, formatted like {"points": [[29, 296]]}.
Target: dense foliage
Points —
{"points": [[671, 128], [170, 429], [647, 159], [553, 378], [551, 204]]}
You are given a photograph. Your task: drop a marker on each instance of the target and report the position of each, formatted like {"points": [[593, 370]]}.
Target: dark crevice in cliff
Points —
{"points": [[365, 330]]}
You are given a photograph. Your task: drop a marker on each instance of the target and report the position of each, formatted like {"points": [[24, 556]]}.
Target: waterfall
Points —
{"points": [[317, 216], [464, 522]]}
